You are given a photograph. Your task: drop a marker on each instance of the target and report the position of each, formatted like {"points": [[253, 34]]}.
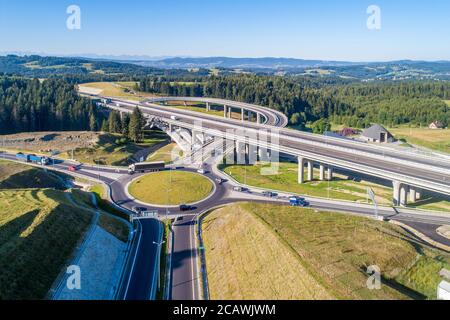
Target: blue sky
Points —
{"points": [[319, 29]]}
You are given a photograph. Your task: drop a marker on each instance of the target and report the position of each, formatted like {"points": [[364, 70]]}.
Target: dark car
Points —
{"points": [[269, 194], [185, 207]]}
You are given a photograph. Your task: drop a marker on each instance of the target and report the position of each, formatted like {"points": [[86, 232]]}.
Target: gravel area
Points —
{"points": [[100, 263]]}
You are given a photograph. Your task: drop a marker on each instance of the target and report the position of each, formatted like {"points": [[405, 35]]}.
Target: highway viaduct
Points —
{"points": [[265, 138]]}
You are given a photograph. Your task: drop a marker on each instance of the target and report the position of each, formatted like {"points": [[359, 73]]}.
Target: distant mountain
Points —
{"points": [[241, 63]]}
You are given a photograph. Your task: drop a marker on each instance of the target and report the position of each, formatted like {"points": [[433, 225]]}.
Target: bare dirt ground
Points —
{"points": [[47, 142]]}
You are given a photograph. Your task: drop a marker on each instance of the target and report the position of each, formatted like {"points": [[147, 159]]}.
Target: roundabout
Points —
{"points": [[171, 188]]}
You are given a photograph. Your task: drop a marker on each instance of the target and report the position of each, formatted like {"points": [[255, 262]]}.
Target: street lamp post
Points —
{"points": [[159, 244]]}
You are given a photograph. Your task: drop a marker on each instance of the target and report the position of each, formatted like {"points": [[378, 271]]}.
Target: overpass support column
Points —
{"points": [[224, 111], [258, 118], [208, 107], [403, 195], [242, 114], [412, 194], [329, 174], [229, 112], [240, 152], [322, 172], [396, 189], [419, 194], [310, 170], [301, 170]]}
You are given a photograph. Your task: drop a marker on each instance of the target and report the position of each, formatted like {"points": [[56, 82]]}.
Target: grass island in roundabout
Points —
{"points": [[171, 188]]}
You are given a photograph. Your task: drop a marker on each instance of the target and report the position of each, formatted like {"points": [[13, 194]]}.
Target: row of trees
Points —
{"points": [[51, 105], [304, 100], [130, 126]]}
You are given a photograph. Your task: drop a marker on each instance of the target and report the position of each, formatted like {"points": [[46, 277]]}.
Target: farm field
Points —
{"points": [[261, 251], [438, 140]]}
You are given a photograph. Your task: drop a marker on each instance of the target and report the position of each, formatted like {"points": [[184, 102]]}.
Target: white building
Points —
{"points": [[378, 134]]}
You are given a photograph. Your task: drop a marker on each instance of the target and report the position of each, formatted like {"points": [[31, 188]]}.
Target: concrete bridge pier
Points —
{"points": [[301, 170], [310, 170], [396, 189], [241, 150], [330, 174], [403, 195], [322, 172], [412, 194], [229, 112], [208, 107], [225, 111], [258, 118], [242, 114]]}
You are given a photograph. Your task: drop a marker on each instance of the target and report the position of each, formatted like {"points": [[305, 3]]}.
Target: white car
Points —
{"points": [[175, 118], [201, 171]]}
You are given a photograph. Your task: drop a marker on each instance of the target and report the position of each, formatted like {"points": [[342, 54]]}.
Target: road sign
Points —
{"points": [[145, 215]]}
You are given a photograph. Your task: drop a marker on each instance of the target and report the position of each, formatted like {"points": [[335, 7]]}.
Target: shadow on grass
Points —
{"points": [[32, 178], [31, 263]]}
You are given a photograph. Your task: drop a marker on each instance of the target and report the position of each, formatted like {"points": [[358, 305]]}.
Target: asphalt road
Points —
{"points": [[140, 279], [299, 142]]}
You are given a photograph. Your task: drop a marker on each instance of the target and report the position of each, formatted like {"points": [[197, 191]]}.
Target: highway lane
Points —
{"points": [[324, 150], [380, 150]]}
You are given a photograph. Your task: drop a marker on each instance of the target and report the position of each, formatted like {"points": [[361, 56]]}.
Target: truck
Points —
{"points": [[32, 158], [298, 202], [146, 166]]}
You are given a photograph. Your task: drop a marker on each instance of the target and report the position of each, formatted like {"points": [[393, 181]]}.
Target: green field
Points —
{"points": [[39, 230], [110, 150], [124, 90], [342, 187], [258, 251], [171, 188], [287, 180], [438, 140]]}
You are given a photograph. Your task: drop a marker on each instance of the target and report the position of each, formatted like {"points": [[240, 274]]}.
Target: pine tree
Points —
{"points": [[137, 123], [92, 122], [105, 126], [114, 122]]}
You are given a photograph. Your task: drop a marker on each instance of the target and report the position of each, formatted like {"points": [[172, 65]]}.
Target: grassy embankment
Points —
{"points": [[171, 188], [39, 230], [342, 187], [256, 251], [40, 227], [110, 150], [199, 107], [166, 154]]}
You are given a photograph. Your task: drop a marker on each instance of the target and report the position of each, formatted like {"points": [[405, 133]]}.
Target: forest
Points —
{"points": [[307, 100], [51, 105]]}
